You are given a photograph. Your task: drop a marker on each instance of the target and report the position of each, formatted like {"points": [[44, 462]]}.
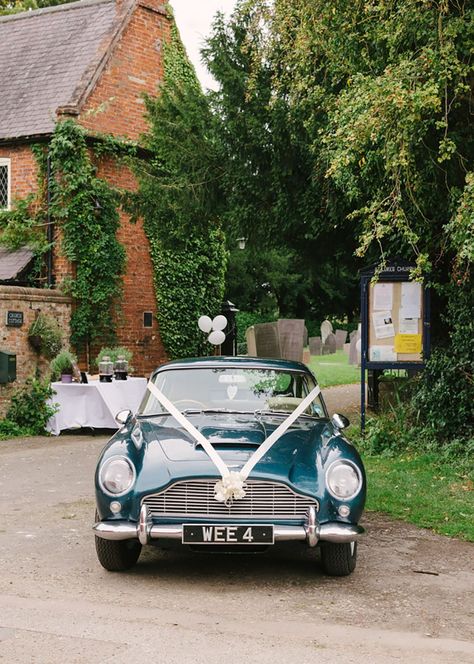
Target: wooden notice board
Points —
{"points": [[395, 330]]}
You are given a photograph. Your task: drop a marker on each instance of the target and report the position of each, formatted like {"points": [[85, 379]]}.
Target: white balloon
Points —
{"points": [[205, 324], [219, 322], [216, 337]]}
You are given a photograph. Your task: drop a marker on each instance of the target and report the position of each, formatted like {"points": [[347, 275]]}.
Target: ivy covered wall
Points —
{"points": [[179, 207]]}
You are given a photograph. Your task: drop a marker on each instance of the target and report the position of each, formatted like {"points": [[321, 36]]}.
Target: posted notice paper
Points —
{"points": [[383, 297], [408, 325], [410, 306], [383, 324], [408, 343], [382, 354]]}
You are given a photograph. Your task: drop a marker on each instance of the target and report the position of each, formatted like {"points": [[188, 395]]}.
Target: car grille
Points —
{"points": [[196, 498]]}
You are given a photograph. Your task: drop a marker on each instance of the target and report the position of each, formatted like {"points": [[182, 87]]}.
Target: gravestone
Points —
{"points": [[267, 340], [315, 345], [353, 355], [250, 338], [326, 329], [291, 333], [341, 336], [330, 346], [306, 356]]}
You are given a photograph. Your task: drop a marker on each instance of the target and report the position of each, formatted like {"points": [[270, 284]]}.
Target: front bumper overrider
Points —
{"points": [[312, 532]]}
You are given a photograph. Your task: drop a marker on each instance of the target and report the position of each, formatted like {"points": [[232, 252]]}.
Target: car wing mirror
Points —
{"points": [[123, 416], [340, 421]]}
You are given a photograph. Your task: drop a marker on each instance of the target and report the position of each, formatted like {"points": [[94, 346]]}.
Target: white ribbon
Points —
{"points": [[232, 485], [186, 424]]}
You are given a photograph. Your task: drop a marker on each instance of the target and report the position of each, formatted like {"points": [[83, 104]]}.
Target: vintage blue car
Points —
{"points": [[230, 452]]}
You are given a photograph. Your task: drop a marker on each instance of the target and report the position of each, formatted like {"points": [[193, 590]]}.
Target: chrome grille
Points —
{"points": [[196, 498]]}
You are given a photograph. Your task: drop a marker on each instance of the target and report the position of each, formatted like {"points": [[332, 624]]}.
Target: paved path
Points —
{"points": [[58, 605], [343, 399]]}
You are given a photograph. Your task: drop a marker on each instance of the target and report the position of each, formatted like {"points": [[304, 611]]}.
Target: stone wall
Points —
{"points": [[30, 301]]}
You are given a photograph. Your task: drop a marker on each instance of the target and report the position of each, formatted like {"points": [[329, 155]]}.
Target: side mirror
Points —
{"points": [[340, 421], [123, 417]]}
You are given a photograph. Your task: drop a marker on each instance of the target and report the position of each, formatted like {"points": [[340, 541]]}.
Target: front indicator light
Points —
{"points": [[115, 507]]}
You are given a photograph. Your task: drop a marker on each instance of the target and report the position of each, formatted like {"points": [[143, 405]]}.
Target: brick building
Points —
{"points": [[91, 60]]}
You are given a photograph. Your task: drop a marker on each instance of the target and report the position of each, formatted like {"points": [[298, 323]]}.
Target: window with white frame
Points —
{"points": [[5, 184]]}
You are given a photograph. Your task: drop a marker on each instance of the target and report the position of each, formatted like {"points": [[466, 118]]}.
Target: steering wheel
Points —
{"points": [[189, 401]]}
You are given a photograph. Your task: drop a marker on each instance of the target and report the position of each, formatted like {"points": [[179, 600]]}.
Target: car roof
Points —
{"points": [[222, 361]]}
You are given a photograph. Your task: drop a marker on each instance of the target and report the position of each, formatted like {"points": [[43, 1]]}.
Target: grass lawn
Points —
{"points": [[334, 369], [422, 491]]}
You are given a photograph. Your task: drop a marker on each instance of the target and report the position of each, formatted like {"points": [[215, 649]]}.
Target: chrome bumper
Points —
{"points": [[312, 532]]}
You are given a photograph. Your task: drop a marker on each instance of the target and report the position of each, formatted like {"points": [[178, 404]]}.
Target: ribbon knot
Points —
{"points": [[230, 487]]}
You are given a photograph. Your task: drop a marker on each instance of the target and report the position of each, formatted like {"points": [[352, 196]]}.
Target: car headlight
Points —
{"points": [[343, 480], [117, 476]]}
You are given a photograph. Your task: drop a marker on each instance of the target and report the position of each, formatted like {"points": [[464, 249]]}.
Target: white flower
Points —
{"points": [[229, 488]]}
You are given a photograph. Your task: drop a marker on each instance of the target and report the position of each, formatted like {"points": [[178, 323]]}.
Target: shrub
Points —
{"points": [[444, 398], [63, 363], [29, 409], [9, 429], [45, 336]]}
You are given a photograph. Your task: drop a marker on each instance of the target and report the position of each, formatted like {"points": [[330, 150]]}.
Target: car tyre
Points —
{"points": [[339, 559], [117, 556]]}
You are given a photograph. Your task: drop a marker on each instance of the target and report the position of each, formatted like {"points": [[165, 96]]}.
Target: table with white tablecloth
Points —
{"points": [[94, 404]]}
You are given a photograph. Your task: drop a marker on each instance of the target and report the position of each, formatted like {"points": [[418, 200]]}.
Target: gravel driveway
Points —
{"points": [[410, 599]]}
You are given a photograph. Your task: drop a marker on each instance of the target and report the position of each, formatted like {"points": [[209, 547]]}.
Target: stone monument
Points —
{"points": [[291, 333], [326, 329], [341, 336], [250, 338], [330, 346], [267, 340], [315, 345]]}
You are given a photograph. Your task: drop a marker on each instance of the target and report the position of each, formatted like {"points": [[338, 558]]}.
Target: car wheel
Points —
{"points": [[117, 556], [338, 559]]}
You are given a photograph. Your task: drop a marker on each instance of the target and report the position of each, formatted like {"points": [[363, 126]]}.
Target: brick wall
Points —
{"points": [[23, 170], [15, 339], [135, 67], [115, 106], [138, 289]]}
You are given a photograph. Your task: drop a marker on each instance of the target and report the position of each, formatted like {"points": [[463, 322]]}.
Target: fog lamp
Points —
{"points": [[344, 510], [115, 507]]}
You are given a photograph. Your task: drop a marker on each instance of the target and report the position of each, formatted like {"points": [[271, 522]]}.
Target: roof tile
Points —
{"points": [[48, 58]]}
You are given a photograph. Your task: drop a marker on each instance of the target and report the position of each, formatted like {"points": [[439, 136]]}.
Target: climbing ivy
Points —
{"points": [[85, 208], [180, 205], [25, 226], [188, 284]]}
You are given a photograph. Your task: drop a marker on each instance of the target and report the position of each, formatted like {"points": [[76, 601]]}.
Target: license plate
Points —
{"points": [[219, 534]]}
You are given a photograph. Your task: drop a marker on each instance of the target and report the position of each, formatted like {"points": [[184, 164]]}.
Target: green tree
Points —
{"points": [[368, 104], [274, 196], [16, 6]]}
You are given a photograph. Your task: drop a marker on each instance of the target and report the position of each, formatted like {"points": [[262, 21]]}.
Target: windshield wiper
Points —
{"points": [[145, 415], [198, 411], [206, 411], [263, 411]]}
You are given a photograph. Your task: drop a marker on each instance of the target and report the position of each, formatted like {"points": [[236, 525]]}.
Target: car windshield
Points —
{"points": [[232, 390]]}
